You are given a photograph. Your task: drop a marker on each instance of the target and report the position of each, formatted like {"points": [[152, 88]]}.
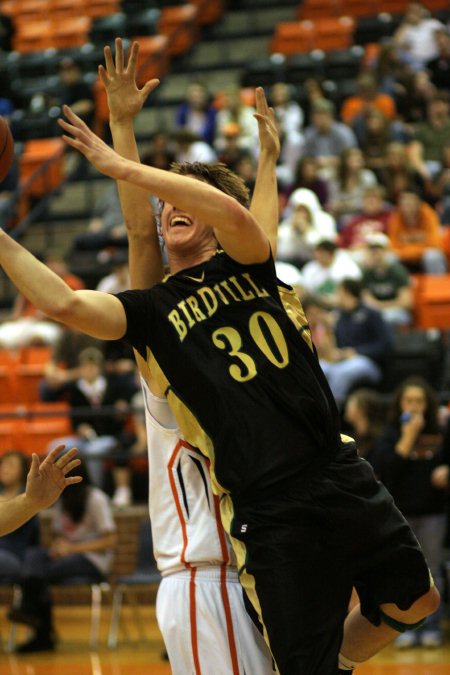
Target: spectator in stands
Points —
{"points": [[413, 228], [74, 91], [415, 36], [14, 467], [391, 73], [419, 94], [321, 323], [438, 191], [287, 111], [291, 151], [106, 227], [246, 167], [84, 537], [411, 462], [27, 325], [233, 109], [307, 176], [189, 148], [373, 133], [160, 152], [98, 434], [7, 31], [8, 200], [426, 146], [363, 342], [346, 189], [398, 173], [365, 412], [386, 282], [231, 152], [63, 367], [330, 266], [305, 225], [439, 67], [367, 99], [325, 138], [197, 114], [119, 278], [371, 219]]}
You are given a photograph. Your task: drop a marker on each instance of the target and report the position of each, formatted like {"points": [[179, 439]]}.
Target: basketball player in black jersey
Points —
{"points": [[231, 349]]}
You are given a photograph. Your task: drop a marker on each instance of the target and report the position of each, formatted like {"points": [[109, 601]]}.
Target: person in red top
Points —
{"points": [[28, 325], [413, 229], [372, 218], [367, 98]]}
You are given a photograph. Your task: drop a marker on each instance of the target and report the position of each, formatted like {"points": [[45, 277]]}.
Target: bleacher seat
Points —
{"points": [[264, 72], [46, 156], [343, 63], [374, 28], [432, 301], [107, 28], [180, 24], [300, 67], [143, 23]]}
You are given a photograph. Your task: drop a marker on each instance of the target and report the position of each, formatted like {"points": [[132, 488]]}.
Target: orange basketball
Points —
{"points": [[6, 148]]}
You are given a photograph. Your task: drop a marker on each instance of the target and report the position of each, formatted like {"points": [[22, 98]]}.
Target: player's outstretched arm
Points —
{"points": [[264, 204], [45, 483], [98, 314], [240, 234], [125, 101]]}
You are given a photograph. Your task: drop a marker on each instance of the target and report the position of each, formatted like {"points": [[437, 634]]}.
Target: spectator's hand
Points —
{"points": [[439, 477], [79, 136], [414, 424], [269, 139], [125, 99], [46, 480], [86, 432], [60, 548]]}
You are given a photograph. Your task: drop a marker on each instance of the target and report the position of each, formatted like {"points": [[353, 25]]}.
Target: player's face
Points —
{"points": [[184, 233]]}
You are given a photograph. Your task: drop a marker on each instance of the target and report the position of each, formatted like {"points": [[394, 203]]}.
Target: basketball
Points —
{"points": [[6, 148]]}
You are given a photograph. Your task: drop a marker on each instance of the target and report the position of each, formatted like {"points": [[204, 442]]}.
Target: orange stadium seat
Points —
{"points": [[33, 36], [334, 33], [67, 9], [392, 6], [316, 9], [8, 379], [293, 37], [154, 57], [46, 422], [35, 154], [12, 424], [209, 12], [432, 301], [29, 372], [357, 8], [70, 32], [95, 9], [180, 25]]}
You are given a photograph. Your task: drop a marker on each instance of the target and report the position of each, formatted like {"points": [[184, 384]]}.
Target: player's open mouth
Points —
{"points": [[180, 221]]}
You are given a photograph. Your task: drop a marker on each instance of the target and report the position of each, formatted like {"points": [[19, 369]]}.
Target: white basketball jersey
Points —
{"points": [[184, 512]]}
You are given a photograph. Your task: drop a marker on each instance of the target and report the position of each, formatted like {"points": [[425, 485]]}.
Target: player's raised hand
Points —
{"points": [[46, 480], [269, 138], [125, 98], [79, 136]]}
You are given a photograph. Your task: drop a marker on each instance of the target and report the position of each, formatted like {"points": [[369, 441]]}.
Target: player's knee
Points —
{"points": [[412, 618]]}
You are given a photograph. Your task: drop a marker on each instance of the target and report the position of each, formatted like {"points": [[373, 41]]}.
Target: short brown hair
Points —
{"points": [[218, 175]]}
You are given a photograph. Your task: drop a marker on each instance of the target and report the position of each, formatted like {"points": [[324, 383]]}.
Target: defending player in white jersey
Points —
{"points": [[200, 607], [200, 603]]}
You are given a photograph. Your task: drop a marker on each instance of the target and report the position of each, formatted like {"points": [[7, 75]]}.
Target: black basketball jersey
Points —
{"points": [[230, 346]]}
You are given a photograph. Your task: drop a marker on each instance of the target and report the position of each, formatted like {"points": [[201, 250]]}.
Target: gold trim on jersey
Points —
{"points": [[189, 426], [247, 580], [296, 313]]}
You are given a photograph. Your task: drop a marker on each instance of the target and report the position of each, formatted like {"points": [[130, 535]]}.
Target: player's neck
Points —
{"points": [[181, 261]]}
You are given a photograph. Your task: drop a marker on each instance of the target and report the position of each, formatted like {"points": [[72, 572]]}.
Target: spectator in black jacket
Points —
{"points": [[363, 341], [97, 434], [414, 465]]}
